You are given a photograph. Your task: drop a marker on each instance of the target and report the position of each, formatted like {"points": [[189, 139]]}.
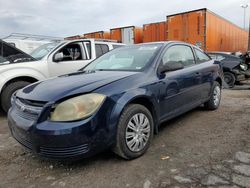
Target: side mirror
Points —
{"points": [[219, 63], [58, 57], [170, 66]]}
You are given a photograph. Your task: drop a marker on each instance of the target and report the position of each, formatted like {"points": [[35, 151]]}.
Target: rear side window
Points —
{"points": [[105, 48], [179, 53], [201, 56], [101, 49]]}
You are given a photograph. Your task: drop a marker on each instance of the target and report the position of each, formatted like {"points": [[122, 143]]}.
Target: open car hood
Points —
{"points": [[10, 54]]}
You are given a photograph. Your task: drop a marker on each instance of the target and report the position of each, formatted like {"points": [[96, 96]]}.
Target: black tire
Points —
{"points": [[229, 79], [121, 147], [211, 104], [8, 91]]}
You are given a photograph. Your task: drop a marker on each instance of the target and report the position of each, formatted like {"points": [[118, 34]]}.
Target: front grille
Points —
{"points": [[22, 140], [26, 115], [27, 109], [64, 152]]}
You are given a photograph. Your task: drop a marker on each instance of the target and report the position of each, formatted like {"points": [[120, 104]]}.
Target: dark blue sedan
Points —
{"points": [[118, 101]]}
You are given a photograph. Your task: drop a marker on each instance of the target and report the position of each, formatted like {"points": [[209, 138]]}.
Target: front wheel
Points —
{"points": [[229, 79], [8, 91], [134, 132], [214, 101]]}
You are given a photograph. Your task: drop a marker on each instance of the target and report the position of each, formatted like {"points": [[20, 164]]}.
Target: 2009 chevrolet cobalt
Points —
{"points": [[118, 101]]}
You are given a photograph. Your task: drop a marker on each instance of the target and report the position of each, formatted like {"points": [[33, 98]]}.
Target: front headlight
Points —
{"points": [[243, 66], [77, 108]]}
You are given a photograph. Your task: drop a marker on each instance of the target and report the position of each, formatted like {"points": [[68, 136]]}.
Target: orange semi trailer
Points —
{"points": [[155, 32], [127, 35], [98, 35], [207, 30]]}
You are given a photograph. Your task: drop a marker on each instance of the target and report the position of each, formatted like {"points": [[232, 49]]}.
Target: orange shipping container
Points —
{"points": [[207, 30], [155, 32], [127, 35], [98, 35]]}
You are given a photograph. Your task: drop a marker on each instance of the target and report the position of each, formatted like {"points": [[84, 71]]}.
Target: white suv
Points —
{"points": [[18, 69]]}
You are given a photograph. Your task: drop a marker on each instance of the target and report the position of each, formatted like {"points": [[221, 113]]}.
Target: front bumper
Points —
{"points": [[239, 75], [61, 141], [247, 73]]}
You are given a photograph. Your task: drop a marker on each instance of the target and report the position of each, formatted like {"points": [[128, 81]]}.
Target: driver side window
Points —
{"points": [[179, 54], [71, 52]]}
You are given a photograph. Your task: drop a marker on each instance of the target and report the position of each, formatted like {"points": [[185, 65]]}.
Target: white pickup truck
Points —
{"points": [[18, 69]]}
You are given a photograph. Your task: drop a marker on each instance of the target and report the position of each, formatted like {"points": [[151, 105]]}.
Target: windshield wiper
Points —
{"points": [[101, 69], [93, 70]]}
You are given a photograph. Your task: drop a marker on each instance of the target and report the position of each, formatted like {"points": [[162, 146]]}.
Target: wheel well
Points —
{"points": [[149, 105], [228, 71], [23, 78], [219, 81]]}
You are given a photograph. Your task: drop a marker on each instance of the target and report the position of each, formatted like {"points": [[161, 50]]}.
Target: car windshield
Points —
{"points": [[130, 58], [43, 50]]}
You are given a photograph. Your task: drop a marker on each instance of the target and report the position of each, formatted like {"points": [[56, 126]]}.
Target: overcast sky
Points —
{"points": [[65, 18]]}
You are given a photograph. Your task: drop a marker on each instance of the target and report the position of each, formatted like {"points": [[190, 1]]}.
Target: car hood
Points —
{"points": [[231, 63], [73, 84], [10, 54]]}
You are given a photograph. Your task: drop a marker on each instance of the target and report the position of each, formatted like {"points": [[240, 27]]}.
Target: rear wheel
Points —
{"points": [[134, 132], [8, 92], [214, 102], [229, 79]]}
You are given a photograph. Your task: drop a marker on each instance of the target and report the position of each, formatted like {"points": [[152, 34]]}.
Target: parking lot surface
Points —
{"points": [[198, 149]]}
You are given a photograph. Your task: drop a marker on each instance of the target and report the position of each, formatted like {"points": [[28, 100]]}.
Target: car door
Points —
{"points": [[206, 73], [69, 58], [178, 90]]}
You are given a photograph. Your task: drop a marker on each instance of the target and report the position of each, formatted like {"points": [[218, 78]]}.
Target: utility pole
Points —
{"points": [[249, 36], [244, 6]]}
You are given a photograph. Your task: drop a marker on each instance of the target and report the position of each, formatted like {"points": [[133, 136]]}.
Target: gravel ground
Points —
{"points": [[198, 149]]}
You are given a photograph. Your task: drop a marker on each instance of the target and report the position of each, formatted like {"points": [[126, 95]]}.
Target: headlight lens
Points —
{"points": [[77, 108], [244, 67]]}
